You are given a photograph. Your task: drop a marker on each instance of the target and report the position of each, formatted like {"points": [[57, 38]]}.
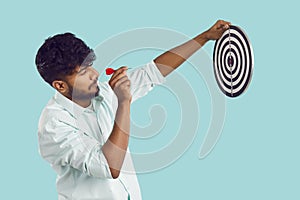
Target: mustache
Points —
{"points": [[94, 82]]}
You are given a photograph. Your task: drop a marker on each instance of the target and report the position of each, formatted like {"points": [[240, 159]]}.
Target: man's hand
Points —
{"points": [[216, 31], [120, 84]]}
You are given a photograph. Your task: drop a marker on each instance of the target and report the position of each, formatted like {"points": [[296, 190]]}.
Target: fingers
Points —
{"points": [[120, 84], [118, 74], [124, 81], [216, 31], [221, 24], [118, 71]]}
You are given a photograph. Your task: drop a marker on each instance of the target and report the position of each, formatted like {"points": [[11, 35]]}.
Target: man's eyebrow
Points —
{"points": [[84, 66], [81, 68]]}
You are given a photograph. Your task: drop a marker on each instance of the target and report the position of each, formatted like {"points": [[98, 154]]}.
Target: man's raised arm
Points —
{"points": [[170, 60]]}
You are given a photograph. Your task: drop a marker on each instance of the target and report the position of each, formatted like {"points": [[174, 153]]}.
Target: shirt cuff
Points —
{"points": [[154, 73], [98, 165]]}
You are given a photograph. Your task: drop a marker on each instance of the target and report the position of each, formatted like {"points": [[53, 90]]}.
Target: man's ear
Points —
{"points": [[61, 86]]}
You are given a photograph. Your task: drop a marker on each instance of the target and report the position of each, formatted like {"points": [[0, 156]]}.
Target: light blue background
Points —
{"points": [[257, 156]]}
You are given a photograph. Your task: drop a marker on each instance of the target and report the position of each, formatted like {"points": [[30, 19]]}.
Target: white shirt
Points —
{"points": [[71, 137]]}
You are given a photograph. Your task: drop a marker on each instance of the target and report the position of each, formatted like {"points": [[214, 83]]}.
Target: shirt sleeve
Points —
{"points": [[143, 79], [62, 144]]}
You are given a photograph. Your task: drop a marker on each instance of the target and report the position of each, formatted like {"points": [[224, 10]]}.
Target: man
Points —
{"points": [[84, 129]]}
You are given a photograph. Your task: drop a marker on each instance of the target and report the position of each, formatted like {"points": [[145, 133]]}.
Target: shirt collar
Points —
{"points": [[73, 108]]}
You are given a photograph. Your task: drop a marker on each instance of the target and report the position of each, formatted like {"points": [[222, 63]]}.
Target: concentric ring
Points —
{"points": [[233, 61]]}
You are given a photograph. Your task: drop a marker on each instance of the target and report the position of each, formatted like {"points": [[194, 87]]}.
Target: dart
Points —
{"points": [[110, 71]]}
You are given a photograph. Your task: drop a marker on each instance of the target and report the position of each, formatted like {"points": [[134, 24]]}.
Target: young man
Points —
{"points": [[84, 129]]}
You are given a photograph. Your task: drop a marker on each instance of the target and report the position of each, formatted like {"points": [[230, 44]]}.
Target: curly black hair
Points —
{"points": [[60, 55]]}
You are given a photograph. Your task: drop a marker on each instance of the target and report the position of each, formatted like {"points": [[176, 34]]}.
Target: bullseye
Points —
{"points": [[230, 61]]}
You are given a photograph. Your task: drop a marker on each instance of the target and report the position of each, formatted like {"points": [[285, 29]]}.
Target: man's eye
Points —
{"points": [[88, 64], [82, 71]]}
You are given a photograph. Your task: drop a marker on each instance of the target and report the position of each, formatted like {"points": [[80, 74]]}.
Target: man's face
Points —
{"points": [[83, 83]]}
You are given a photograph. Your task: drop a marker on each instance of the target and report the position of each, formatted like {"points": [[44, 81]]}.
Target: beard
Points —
{"points": [[81, 95]]}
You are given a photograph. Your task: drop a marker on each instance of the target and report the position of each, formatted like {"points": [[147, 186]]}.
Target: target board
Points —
{"points": [[233, 61]]}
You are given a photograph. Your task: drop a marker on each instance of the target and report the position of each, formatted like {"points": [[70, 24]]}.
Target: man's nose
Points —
{"points": [[94, 74]]}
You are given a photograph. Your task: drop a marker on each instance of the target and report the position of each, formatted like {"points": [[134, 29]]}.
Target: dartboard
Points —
{"points": [[233, 61]]}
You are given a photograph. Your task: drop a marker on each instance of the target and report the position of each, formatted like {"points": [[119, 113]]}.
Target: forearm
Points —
{"points": [[170, 60], [173, 58], [116, 146]]}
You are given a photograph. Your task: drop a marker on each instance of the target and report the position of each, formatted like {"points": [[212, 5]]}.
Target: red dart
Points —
{"points": [[109, 71]]}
